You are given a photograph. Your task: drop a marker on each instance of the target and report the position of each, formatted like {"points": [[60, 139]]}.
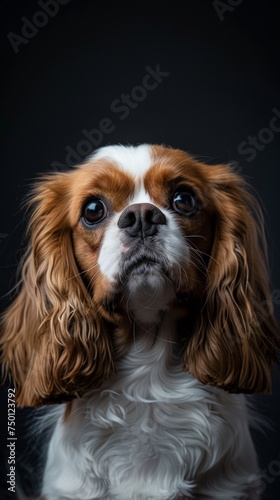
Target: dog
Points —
{"points": [[144, 316]]}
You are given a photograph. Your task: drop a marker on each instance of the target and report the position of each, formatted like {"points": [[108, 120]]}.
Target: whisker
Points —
{"points": [[80, 273], [196, 236]]}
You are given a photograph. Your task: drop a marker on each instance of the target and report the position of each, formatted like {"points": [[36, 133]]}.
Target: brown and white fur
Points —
{"points": [[144, 311]]}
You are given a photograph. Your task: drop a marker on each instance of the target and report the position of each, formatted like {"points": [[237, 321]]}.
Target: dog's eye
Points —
{"points": [[94, 211], [185, 202]]}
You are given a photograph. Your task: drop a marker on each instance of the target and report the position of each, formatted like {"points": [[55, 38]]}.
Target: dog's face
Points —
{"points": [[123, 238], [142, 230]]}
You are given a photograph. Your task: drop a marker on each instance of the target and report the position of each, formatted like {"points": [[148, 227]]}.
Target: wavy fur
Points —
{"points": [[142, 325], [54, 342], [237, 337]]}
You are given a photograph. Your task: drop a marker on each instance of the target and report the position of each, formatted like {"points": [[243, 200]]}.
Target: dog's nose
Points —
{"points": [[141, 219]]}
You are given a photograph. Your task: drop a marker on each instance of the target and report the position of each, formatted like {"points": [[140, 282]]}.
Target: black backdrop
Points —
{"points": [[73, 67]]}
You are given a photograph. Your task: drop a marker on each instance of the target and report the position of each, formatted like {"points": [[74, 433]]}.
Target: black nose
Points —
{"points": [[141, 219]]}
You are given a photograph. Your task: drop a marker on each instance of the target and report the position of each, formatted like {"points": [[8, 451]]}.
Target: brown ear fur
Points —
{"points": [[236, 337], [53, 342]]}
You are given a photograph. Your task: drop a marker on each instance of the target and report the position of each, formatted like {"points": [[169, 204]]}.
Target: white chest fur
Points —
{"points": [[151, 432]]}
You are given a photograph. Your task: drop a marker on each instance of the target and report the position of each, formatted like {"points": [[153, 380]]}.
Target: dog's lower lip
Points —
{"points": [[144, 263]]}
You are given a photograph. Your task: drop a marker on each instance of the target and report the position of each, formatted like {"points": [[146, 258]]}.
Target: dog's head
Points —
{"points": [[131, 234]]}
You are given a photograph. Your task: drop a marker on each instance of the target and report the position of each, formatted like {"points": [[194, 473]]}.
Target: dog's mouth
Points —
{"points": [[143, 269], [140, 286], [146, 287], [146, 284], [143, 260]]}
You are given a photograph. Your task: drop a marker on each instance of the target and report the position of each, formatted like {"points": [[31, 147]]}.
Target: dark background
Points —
{"points": [[223, 86]]}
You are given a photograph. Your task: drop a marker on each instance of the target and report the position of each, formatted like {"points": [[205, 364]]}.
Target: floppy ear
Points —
{"points": [[53, 342], [236, 338]]}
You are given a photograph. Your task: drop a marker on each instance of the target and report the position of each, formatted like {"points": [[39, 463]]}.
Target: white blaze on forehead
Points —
{"points": [[140, 195], [135, 160]]}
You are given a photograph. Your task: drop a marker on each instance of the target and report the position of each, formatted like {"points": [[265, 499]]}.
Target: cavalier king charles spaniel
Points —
{"points": [[144, 315]]}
